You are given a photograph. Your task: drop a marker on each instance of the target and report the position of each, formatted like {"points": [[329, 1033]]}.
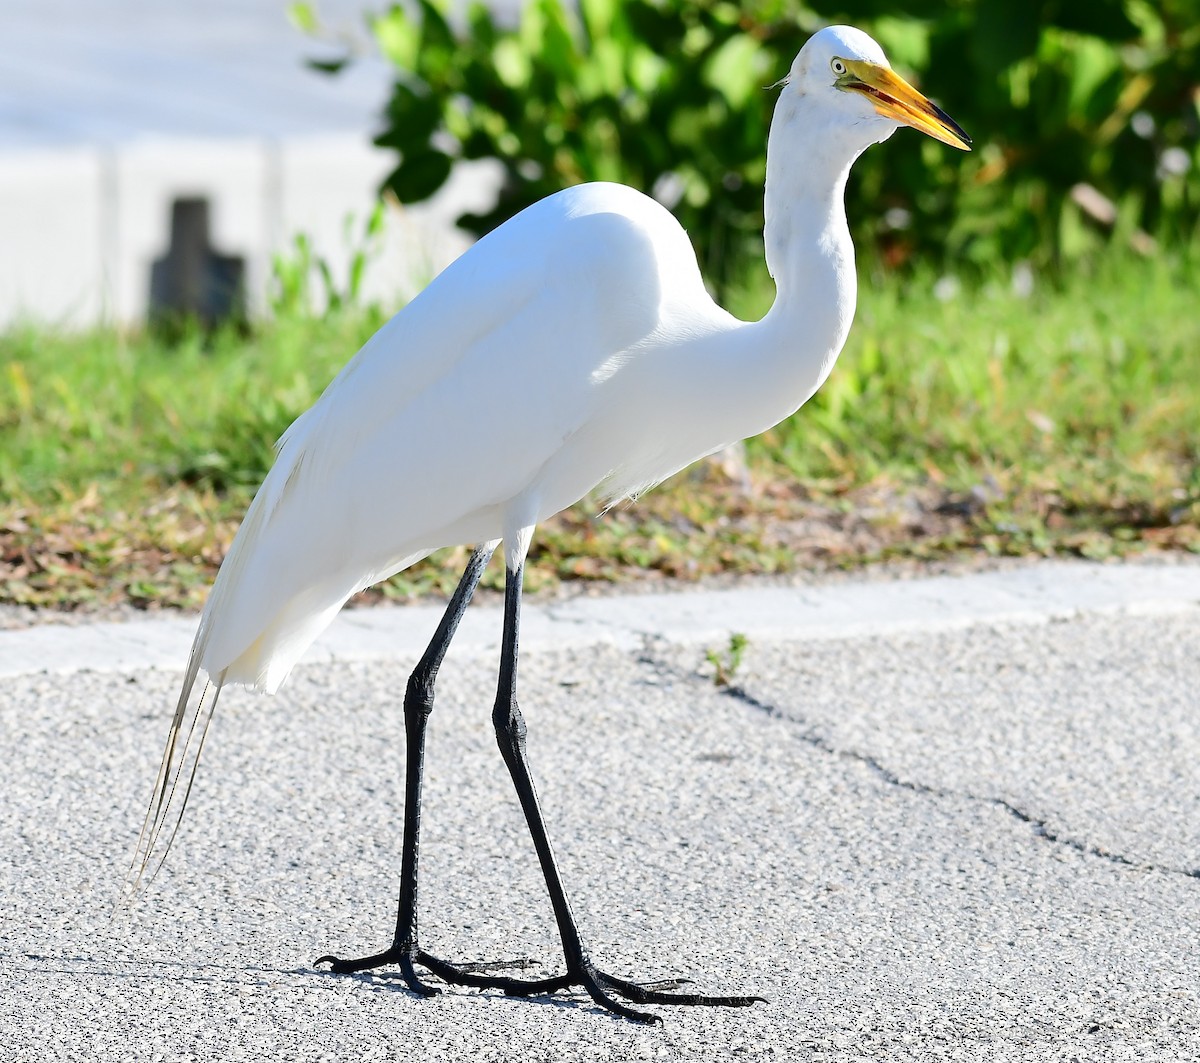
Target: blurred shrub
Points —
{"points": [[671, 96]]}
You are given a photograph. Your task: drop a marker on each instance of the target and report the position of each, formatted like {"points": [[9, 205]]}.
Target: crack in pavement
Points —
{"points": [[807, 734], [1039, 826]]}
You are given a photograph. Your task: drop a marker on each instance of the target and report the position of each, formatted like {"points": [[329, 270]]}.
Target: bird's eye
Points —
{"points": [[839, 67]]}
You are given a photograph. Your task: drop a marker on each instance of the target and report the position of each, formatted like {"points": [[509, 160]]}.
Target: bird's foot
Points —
{"points": [[603, 988], [405, 957], [401, 956]]}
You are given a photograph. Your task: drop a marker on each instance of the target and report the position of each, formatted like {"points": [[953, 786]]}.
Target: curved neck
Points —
{"points": [[808, 162], [809, 253], [767, 369]]}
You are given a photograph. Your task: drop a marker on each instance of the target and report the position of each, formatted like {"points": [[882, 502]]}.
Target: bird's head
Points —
{"points": [[844, 71]]}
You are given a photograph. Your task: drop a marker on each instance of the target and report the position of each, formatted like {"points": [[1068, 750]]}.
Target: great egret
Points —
{"points": [[573, 349]]}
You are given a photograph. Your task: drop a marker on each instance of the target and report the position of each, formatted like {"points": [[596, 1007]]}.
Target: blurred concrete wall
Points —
{"points": [[112, 110]]}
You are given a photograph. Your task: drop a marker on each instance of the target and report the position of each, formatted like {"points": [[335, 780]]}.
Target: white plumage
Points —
{"points": [[573, 349]]}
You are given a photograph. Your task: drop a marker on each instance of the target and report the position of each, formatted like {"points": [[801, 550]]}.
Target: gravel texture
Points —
{"points": [[971, 841]]}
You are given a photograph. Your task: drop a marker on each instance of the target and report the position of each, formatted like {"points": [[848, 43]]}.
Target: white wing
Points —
{"points": [[439, 429]]}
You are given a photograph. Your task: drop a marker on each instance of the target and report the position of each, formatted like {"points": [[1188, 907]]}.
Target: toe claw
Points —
{"points": [[336, 966]]}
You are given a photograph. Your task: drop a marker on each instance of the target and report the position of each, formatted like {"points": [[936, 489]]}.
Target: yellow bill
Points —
{"points": [[897, 99]]}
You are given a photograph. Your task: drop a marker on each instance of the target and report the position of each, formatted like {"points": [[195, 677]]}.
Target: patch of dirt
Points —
{"points": [[707, 529]]}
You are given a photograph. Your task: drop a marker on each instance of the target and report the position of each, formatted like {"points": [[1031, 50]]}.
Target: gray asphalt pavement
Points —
{"points": [[963, 832]]}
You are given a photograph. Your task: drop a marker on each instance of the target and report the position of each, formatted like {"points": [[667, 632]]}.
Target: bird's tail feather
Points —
{"points": [[176, 774]]}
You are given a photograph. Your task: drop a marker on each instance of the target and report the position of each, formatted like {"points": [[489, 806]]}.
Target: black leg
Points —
{"points": [[601, 987], [510, 736], [418, 704]]}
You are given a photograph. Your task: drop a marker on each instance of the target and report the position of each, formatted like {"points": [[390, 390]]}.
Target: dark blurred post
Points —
{"points": [[192, 281]]}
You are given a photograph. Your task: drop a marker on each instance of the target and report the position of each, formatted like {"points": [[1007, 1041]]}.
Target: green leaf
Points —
{"points": [[327, 66], [1105, 19], [1090, 63], [413, 116], [549, 30], [375, 221], [738, 69], [1004, 32], [419, 175], [512, 63], [599, 18], [303, 17], [398, 37], [435, 30], [906, 42]]}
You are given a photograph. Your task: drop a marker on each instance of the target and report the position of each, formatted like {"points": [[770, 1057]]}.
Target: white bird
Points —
{"points": [[574, 349]]}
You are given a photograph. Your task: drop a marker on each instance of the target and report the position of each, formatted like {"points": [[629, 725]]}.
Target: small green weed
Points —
{"points": [[726, 662]]}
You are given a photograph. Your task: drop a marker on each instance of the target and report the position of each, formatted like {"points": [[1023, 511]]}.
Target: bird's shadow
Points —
{"points": [[139, 969]]}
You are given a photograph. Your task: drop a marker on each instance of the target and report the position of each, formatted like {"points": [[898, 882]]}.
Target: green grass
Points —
{"points": [[1064, 422], [108, 408], [1077, 407]]}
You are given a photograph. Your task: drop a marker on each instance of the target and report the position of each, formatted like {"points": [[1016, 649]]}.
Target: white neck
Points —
{"points": [[808, 162], [743, 378], [809, 254]]}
